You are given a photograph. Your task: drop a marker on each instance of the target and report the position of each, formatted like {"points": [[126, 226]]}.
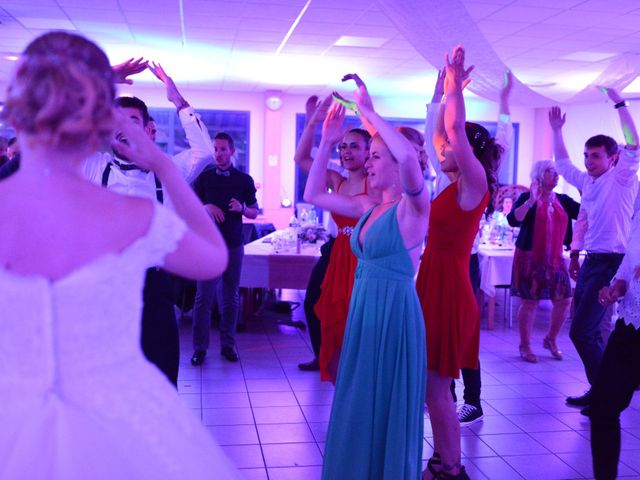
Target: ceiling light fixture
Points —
{"points": [[293, 27], [365, 42]]}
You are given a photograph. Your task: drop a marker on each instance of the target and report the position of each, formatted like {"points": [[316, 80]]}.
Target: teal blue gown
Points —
{"points": [[376, 424]]}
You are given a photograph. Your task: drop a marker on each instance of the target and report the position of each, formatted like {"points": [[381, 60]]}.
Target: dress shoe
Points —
{"points": [[229, 353], [311, 366], [582, 401], [198, 357], [553, 348], [527, 355]]}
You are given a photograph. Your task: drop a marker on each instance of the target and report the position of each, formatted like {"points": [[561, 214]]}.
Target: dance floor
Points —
{"points": [[271, 418]]}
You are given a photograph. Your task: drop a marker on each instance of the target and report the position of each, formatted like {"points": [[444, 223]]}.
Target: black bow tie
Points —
{"points": [[127, 166], [224, 173]]}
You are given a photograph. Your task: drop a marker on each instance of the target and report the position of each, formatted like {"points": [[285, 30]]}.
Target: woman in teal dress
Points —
{"points": [[376, 425]]}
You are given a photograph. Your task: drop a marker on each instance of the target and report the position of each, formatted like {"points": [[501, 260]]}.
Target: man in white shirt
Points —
{"points": [[159, 335], [608, 193]]}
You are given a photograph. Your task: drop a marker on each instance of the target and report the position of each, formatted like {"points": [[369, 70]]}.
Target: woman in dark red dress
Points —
{"points": [[470, 157]]}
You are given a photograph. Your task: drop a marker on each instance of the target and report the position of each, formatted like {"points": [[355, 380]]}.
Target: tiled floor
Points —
{"points": [[271, 418]]}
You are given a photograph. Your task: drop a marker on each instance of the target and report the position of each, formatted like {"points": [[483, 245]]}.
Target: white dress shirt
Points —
{"points": [[630, 305], [140, 183], [607, 201]]}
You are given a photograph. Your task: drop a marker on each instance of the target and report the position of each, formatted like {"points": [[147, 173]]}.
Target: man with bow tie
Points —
{"points": [[228, 195], [159, 331]]}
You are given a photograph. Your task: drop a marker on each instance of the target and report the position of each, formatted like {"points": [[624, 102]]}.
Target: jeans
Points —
{"points": [[226, 290], [585, 333], [471, 376], [313, 295], [618, 377]]}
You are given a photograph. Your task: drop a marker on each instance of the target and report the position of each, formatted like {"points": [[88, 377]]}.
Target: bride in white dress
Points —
{"points": [[77, 398]]}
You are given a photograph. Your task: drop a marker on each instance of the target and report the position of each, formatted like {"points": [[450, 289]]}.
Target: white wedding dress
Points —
{"points": [[78, 400]]}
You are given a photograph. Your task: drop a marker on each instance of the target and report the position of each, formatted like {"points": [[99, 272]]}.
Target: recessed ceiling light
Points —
{"points": [[588, 56], [350, 41], [13, 58]]}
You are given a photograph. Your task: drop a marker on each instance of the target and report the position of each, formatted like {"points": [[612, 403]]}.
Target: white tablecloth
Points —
{"points": [[496, 264], [263, 268]]}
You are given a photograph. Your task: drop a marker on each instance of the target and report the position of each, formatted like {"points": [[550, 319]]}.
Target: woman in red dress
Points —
{"points": [[333, 305], [470, 157]]}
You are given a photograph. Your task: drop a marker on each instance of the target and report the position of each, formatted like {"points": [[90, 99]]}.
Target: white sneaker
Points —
{"points": [[468, 414]]}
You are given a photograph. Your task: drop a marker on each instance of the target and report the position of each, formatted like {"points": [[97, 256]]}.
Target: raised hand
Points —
{"points": [[346, 103], [127, 68], [173, 94], [333, 127], [457, 77], [556, 118], [355, 77], [320, 110], [507, 84], [535, 191], [311, 106]]}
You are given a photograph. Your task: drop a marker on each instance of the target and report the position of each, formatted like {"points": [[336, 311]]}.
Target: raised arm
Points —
{"points": [[472, 173], [411, 178], [316, 112], [504, 131], [563, 163], [432, 120], [129, 67], [316, 189], [203, 241], [626, 122], [191, 162]]}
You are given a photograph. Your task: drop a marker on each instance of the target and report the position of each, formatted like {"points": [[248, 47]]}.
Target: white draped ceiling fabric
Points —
{"points": [[433, 27]]}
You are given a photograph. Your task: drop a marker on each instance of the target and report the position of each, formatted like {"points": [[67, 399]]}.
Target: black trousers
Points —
{"points": [[471, 376], [617, 379], [159, 335], [313, 294]]}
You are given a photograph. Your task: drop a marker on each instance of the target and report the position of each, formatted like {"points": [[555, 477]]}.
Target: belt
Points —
{"points": [[604, 256], [345, 231]]}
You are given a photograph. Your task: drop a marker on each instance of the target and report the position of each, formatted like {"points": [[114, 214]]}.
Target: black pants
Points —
{"points": [[313, 294], [617, 378], [585, 333], [471, 376], [159, 336]]}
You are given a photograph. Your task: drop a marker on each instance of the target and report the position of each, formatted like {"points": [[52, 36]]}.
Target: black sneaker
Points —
{"points": [[468, 414], [229, 353], [198, 357]]}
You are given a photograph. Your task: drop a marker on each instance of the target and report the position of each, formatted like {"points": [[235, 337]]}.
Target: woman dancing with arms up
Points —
{"points": [[375, 430], [469, 156]]}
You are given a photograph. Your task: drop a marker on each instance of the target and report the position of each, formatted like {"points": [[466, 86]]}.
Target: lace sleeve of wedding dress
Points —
{"points": [[165, 232]]}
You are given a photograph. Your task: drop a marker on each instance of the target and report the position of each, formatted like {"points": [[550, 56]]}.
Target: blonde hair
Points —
{"points": [[537, 171], [62, 92]]}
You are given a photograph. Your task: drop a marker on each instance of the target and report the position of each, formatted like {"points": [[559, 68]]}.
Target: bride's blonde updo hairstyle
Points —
{"points": [[62, 92]]}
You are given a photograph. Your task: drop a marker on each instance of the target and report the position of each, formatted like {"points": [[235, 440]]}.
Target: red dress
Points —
{"points": [[333, 305], [449, 306]]}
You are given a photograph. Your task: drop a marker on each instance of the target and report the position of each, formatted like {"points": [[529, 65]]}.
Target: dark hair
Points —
{"points": [[62, 92], [366, 136], [489, 153], [11, 141], [225, 136], [609, 144], [135, 102]]}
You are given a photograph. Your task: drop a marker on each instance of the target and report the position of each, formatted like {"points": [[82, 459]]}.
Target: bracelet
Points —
{"points": [[621, 104], [416, 192]]}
